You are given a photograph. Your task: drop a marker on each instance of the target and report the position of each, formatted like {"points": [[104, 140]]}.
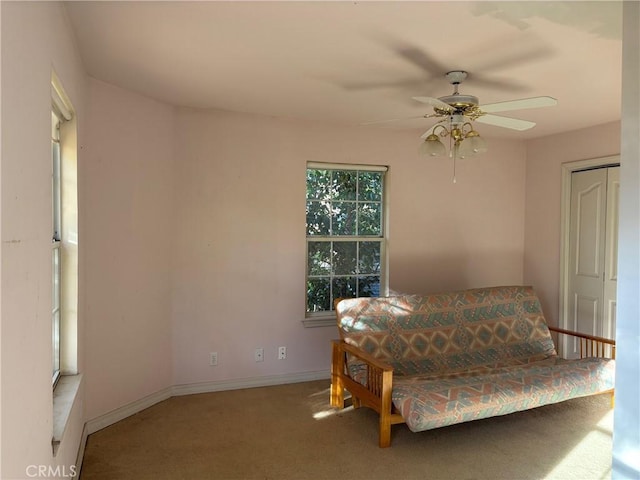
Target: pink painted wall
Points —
{"points": [[183, 212], [239, 264], [127, 229], [35, 39], [448, 236], [543, 202]]}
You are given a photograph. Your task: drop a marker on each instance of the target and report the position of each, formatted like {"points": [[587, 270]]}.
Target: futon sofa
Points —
{"points": [[435, 360]]}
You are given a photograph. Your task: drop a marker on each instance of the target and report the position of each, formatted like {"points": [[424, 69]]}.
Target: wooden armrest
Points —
{"points": [[583, 335], [379, 375], [590, 345], [374, 393]]}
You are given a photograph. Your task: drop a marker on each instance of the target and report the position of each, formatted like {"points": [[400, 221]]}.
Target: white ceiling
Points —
{"points": [[353, 62]]}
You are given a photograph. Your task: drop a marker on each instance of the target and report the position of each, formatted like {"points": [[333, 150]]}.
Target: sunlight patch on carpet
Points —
{"points": [[591, 457], [330, 412], [318, 402]]}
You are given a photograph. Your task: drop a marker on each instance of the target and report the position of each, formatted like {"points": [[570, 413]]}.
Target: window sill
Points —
{"points": [[64, 395], [314, 322]]}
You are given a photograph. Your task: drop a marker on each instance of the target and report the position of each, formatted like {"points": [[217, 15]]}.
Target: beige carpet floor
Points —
{"points": [[289, 432]]}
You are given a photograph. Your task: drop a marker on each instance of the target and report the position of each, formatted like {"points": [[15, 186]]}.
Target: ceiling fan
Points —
{"points": [[465, 108], [457, 112]]}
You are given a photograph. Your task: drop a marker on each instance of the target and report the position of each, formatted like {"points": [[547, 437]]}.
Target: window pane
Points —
{"points": [[344, 287], [369, 219], [318, 184], [344, 258], [369, 258], [54, 126], [344, 218], [56, 279], [318, 295], [55, 309], [318, 219], [369, 286], [56, 342], [344, 184], [369, 186], [319, 258], [56, 191]]}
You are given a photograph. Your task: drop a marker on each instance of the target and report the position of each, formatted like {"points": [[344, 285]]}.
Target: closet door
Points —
{"points": [[593, 252]]}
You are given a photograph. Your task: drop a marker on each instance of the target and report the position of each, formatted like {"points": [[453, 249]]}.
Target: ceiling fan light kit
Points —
{"points": [[466, 142], [458, 133]]}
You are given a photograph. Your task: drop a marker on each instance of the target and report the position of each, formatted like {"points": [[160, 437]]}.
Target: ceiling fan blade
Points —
{"points": [[421, 59], [506, 122], [521, 54], [495, 83], [434, 102], [409, 83], [499, 53], [389, 120], [524, 103]]}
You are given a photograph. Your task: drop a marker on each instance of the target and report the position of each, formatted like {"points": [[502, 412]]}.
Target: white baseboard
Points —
{"points": [[81, 448], [222, 385], [132, 408], [125, 411]]}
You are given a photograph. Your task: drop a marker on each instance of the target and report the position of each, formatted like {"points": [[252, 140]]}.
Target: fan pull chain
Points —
{"points": [[454, 169], [453, 153]]}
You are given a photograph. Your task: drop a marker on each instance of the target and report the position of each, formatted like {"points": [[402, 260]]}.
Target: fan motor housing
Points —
{"points": [[462, 104], [460, 101]]}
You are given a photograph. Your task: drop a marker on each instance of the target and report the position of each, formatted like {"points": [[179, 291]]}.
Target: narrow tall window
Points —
{"points": [[64, 259], [56, 243], [345, 234]]}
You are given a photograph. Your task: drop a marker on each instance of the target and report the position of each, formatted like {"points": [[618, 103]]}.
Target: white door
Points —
{"points": [[593, 253]]}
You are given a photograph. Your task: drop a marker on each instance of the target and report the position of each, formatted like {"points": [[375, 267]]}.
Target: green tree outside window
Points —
{"points": [[345, 235]]}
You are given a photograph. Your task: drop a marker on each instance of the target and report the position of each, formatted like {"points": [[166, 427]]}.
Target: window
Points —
{"points": [[56, 243], [345, 234], [64, 234], [64, 257]]}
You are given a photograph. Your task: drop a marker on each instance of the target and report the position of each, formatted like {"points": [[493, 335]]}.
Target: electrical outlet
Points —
{"points": [[259, 355], [213, 359], [282, 353]]}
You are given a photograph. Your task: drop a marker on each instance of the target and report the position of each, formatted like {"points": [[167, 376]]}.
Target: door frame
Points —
{"points": [[565, 217]]}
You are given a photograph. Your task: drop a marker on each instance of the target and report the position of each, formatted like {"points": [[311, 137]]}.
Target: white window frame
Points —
{"points": [[64, 208], [327, 318], [56, 251]]}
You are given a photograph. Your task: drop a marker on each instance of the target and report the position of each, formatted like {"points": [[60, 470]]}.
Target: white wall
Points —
{"points": [[127, 231], [239, 265], [626, 435], [543, 201], [35, 39], [0, 246]]}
